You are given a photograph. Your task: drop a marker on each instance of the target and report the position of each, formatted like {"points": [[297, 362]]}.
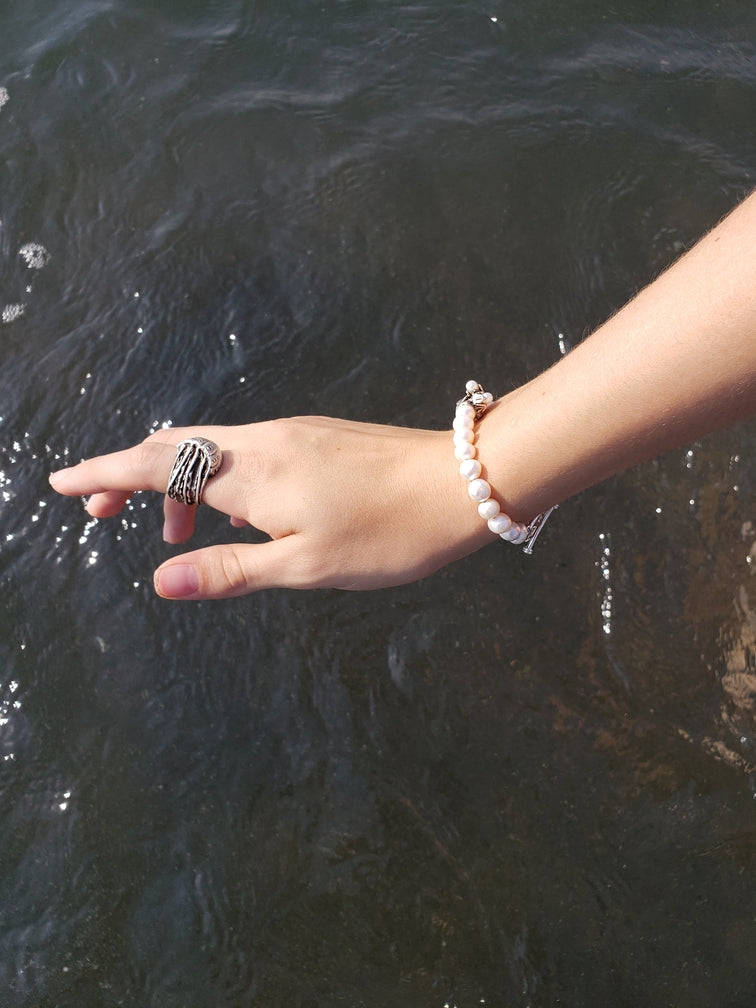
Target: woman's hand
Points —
{"points": [[347, 505]]}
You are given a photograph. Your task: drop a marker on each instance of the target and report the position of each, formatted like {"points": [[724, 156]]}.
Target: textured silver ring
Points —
{"points": [[197, 459]]}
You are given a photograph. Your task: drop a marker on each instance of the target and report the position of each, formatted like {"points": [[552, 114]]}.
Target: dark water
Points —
{"points": [[523, 782]]}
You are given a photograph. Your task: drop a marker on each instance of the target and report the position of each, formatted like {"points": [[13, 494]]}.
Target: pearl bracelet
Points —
{"points": [[470, 409]]}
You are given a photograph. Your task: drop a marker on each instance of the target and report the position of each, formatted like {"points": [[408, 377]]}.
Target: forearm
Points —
{"points": [[676, 363]]}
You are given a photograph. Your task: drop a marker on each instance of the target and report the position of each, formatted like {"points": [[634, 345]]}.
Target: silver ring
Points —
{"points": [[197, 459]]}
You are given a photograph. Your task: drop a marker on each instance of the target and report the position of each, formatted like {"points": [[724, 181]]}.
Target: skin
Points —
{"points": [[360, 506]]}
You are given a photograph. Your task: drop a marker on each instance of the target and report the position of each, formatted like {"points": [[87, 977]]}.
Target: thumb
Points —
{"points": [[219, 572]]}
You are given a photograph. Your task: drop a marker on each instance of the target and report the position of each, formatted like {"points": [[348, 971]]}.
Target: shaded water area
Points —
{"points": [[525, 781]]}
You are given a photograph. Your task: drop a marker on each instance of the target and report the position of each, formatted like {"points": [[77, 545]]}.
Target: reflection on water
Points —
{"points": [[36, 257], [522, 782]]}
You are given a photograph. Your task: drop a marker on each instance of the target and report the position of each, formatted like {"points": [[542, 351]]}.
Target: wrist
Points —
{"points": [[520, 478], [492, 508]]}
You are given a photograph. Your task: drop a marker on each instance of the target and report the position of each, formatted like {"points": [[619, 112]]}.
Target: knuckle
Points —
{"points": [[232, 572], [146, 455], [291, 436]]}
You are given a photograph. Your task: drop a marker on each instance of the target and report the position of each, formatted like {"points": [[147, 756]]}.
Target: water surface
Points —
{"points": [[524, 781]]}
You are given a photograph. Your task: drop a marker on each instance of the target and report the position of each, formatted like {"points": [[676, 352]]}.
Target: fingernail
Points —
{"points": [[176, 581]]}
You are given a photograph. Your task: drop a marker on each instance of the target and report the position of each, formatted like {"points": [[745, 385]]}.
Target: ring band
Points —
{"points": [[197, 459]]}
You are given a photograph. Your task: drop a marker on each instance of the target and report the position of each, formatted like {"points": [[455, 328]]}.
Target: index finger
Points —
{"points": [[145, 466]]}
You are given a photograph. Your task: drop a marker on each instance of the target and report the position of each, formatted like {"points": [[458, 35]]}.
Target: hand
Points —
{"points": [[346, 505]]}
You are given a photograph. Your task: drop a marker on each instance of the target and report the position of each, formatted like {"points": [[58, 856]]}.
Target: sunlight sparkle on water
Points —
{"points": [[34, 255], [11, 312], [159, 425], [606, 576], [7, 706], [87, 529]]}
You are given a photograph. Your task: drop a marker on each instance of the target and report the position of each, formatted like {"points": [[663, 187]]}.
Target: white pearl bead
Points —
{"points": [[464, 451], [481, 399], [470, 469], [479, 490], [500, 523], [460, 436], [488, 509], [513, 534]]}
